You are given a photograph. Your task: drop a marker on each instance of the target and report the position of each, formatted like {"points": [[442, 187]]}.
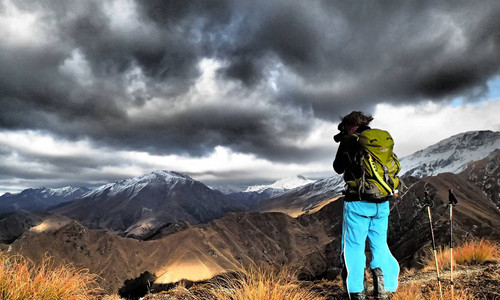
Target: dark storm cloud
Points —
{"points": [[198, 130], [344, 55]]}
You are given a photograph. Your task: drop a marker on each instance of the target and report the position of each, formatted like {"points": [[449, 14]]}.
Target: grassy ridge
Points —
{"points": [[22, 279]]}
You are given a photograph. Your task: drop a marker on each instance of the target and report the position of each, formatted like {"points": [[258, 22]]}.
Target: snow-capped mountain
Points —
{"points": [[134, 185], [305, 198], [39, 199], [138, 206], [451, 154], [257, 193], [281, 185], [228, 188]]}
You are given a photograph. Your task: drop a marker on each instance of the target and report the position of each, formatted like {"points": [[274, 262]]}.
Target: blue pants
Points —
{"points": [[364, 219]]}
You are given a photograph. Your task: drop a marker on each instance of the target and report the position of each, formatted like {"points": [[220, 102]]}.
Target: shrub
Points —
{"points": [[137, 287], [20, 278]]}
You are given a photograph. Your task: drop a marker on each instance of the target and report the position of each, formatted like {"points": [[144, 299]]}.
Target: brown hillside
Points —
{"points": [[485, 174], [195, 253], [474, 216]]}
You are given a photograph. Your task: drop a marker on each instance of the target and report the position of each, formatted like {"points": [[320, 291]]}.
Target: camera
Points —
{"points": [[339, 136]]}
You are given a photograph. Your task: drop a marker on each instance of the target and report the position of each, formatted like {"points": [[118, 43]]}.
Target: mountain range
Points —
{"points": [[137, 206], [39, 198], [181, 228], [275, 188], [281, 185]]}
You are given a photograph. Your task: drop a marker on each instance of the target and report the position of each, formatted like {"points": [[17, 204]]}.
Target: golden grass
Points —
{"points": [[112, 297], [20, 279], [469, 253], [443, 258], [252, 284], [409, 291], [476, 252]]}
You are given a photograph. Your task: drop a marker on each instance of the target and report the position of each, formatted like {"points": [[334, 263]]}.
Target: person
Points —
{"points": [[362, 218]]}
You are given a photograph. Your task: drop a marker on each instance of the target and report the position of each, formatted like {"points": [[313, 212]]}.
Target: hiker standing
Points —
{"points": [[370, 170]]}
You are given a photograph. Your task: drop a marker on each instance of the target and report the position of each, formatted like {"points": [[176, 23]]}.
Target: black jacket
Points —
{"points": [[347, 159]]}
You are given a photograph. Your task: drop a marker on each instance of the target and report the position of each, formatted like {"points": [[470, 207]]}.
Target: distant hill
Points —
{"points": [[39, 199], [18, 222], [254, 195], [304, 199], [485, 174], [281, 185]]}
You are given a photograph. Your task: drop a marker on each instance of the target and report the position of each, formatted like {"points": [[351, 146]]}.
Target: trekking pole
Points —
{"points": [[453, 201], [428, 202]]}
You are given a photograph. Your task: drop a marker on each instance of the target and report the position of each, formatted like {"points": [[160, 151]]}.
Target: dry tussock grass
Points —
{"points": [[408, 291], [20, 278], [252, 284], [112, 297], [476, 252], [469, 253]]}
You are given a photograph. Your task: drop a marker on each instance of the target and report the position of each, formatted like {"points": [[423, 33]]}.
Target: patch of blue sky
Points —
{"points": [[457, 102], [494, 88], [493, 94]]}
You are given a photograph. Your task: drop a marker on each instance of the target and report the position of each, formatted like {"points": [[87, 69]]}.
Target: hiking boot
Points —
{"points": [[357, 296], [380, 293]]}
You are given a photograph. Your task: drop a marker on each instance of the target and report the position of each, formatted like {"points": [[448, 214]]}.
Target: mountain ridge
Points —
{"points": [[451, 154], [39, 198]]}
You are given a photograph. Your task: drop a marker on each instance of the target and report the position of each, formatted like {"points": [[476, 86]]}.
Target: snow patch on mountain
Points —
{"points": [[304, 198], [228, 188], [60, 192], [136, 184], [452, 154], [45, 193], [335, 183], [39, 198], [283, 184]]}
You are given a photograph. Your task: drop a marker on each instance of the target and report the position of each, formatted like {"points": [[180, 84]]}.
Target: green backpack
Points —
{"points": [[379, 166]]}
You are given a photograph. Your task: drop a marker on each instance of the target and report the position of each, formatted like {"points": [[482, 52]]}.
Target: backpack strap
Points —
{"points": [[377, 176]]}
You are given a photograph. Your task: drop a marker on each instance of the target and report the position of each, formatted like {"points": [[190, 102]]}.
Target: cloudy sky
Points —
{"points": [[236, 92]]}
